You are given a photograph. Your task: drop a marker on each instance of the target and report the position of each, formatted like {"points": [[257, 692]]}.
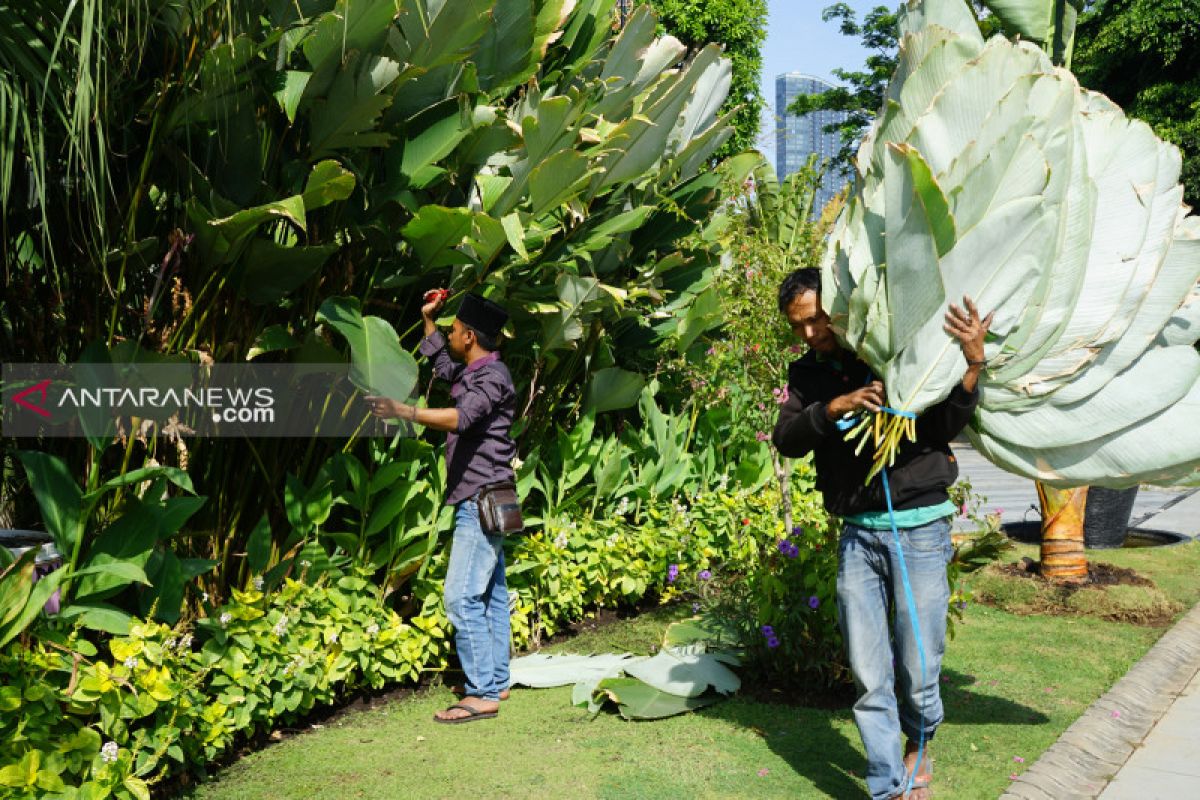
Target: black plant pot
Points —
{"points": [[1106, 517]]}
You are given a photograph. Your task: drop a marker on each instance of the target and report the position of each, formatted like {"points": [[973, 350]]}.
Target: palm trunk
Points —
{"points": [[1062, 556]]}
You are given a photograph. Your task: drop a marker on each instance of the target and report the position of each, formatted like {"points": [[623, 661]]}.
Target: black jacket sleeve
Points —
{"points": [[801, 425], [939, 424]]}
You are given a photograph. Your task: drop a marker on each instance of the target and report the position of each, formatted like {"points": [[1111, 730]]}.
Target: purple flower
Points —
{"points": [[712, 351], [789, 549], [767, 630], [795, 348], [797, 531], [772, 642], [672, 573], [704, 575], [962, 605], [814, 602], [762, 437], [695, 608], [780, 395]]}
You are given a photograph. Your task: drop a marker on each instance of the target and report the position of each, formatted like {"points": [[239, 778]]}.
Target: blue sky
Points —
{"points": [[798, 41]]}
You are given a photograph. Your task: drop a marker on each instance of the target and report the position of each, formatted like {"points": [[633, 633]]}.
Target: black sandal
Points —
{"points": [[473, 714]]}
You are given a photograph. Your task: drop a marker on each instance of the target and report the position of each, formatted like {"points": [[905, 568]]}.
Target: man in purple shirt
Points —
{"points": [[479, 451]]}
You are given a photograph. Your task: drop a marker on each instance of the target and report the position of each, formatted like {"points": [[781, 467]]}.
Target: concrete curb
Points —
{"points": [[1087, 756]]}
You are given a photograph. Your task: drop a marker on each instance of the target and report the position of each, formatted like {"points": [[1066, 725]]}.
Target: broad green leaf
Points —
{"points": [[328, 183], [272, 339], [614, 388], [515, 233], [543, 671], [58, 497], [352, 25], [574, 293], [435, 232], [638, 700], [431, 136], [378, 364], [98, 616], [258, 546], [273, 271], [290, 91], [686, 675], [556, 180], [1042, 21]]}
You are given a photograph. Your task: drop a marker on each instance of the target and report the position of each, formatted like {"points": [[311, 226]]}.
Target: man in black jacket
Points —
{"points": [[825, 385]]}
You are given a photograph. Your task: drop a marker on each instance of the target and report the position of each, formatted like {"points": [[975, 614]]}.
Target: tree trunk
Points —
{"points": [[1062, 556]]}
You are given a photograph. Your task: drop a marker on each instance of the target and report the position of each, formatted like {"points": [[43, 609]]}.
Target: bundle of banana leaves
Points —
{"points": [[990, 173]]}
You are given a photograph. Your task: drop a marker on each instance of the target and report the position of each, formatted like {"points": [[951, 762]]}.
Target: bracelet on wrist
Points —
{"points": [[980, 363]]}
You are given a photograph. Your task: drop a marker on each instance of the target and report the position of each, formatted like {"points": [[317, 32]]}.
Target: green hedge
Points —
{"points": [[167, 700]]}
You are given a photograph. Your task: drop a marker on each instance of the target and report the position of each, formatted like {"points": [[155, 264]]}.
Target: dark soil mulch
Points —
{"points": [[1148, 606], [1099, 574]]}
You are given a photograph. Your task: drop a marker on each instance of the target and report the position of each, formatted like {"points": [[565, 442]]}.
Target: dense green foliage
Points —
{"points": [[286, 172], [113, 721], [174, 698], [740, 27], [1145, 55]]}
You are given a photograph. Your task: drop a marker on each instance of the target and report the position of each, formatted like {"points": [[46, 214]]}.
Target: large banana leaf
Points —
{"points": [[378, 364], [991, 173]]}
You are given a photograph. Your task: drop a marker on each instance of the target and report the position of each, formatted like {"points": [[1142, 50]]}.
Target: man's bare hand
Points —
{"points": [[868, 398], [969, 329], [386, 408]]}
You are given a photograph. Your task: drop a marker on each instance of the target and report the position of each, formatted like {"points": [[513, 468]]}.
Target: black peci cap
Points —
{"points": [[482, 314]]}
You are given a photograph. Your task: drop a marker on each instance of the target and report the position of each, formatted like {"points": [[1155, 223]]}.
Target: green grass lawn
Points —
{"points": [[1011, 686]]}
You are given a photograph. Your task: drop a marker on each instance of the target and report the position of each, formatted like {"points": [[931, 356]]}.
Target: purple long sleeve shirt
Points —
{"points": [[480, 451]]}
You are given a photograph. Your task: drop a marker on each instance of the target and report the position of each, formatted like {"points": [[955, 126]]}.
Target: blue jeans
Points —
{"points": [[476, 599], [870, 595]]}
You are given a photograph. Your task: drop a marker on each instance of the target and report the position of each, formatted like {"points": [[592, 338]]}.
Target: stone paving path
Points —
{"points": [[1141, 740]]}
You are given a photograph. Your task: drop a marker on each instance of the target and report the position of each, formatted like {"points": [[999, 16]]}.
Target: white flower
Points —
{"points": [[517, 464], [226, 618], [373, 629], [623, 508], [333, 638], [258, 582], [204, 596], [280, 627], [723, 482], [170, 643], [611, 540], [186, 642], [306, 563], [560, 541], [131, 663], [109, 752]]}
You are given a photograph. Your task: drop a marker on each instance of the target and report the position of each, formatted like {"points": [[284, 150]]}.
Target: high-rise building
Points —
{"points": [[798, 137]]}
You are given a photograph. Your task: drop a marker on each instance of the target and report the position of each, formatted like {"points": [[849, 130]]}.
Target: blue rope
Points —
{"points": [[846, 424], [916, 626]]}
